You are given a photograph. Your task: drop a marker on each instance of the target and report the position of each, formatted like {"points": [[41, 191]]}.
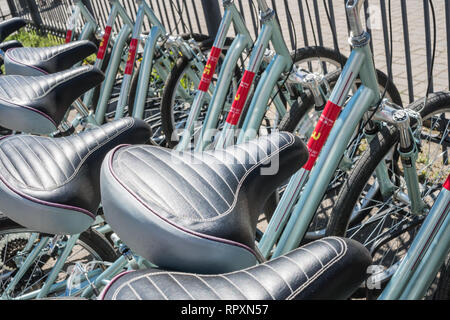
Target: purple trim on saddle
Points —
{"points": [[23, 64], [32, 109], [46, 203], [207, 237], [102, 295]]}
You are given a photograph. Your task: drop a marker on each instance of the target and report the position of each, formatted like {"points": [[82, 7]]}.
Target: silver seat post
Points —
{"points": [[263, 7], [353, 8]]}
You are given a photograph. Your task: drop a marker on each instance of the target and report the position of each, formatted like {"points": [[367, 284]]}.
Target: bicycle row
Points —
{"points": [[166, 199]]}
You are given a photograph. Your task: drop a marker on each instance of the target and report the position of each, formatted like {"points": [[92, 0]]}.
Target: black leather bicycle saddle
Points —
{"points": [[196, 212], [331, 268], [38, 104], [9, 26], [5, 46], [52, 185], [39, 61]]}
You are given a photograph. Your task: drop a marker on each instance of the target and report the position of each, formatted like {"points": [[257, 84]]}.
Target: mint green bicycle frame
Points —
{"points": [[89, 28], [241, 42], [282, 62], [426, 255], [294, 211]]}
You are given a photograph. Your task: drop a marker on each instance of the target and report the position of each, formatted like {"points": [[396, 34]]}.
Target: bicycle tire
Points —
{"points": [[297, 111], [378, 148], [96, 241], [386, 139]]}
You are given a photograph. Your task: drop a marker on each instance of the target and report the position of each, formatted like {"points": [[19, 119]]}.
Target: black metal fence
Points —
{"points": [[412, 28]]}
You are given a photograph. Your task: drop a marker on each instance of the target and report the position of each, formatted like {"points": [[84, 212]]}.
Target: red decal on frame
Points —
{"points": [[241, 97], [321, 133], [104, 43], [447, 183], [69, 36], [131, 56], [210, 67]]}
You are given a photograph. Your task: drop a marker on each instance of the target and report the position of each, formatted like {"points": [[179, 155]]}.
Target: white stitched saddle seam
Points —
{"points": [[62, 152], [329, 245], [134, 292], [278, 274], [73, 147], [163, 178], [260, 283], [235, 158], [228, 168], [51, 157], [232, 283], [322, 270], [40, 160], [204, 179], [260, 147], [208, 285], [107, 139], [296, 263], [291, 142], [160, 202], [43, 55], [311, 253], [212, 169], [181, 286], [246, 152], [25, 161], [12, 165], [53, 85], [117, 291], [148, 277]]}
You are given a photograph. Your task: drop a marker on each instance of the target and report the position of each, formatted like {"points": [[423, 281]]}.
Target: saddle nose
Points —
{"points": [[38, 104], [51, 185], [40, 61]]}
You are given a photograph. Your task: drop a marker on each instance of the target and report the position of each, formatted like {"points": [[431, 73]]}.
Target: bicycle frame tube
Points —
{"points": [[90, 26], [270, 32], [25, 266], [58, 266], [110, 74], [243, 40], [144, 10], [427, 253], [116, 10], [145, 71], [340, 131], [110, 272], [316, 142], [360, 62]]}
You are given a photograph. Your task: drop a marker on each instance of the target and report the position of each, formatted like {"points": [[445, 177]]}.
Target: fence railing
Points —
{"points": [[412, 29]]}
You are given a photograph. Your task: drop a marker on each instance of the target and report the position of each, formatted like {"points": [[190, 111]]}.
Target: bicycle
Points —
{"points": [[214, 110], [387, 215], [23, 266], [274, 280]]}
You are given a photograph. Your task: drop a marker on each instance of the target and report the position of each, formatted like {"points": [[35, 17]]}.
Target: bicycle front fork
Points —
{"points": [[408, 149]]}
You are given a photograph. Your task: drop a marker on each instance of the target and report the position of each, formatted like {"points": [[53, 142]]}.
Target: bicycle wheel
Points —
{"points": [[302, 117], [386, 225], [91, 246]]}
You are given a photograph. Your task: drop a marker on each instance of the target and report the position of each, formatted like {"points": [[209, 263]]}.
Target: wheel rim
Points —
{"points": [[36, 275]]}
